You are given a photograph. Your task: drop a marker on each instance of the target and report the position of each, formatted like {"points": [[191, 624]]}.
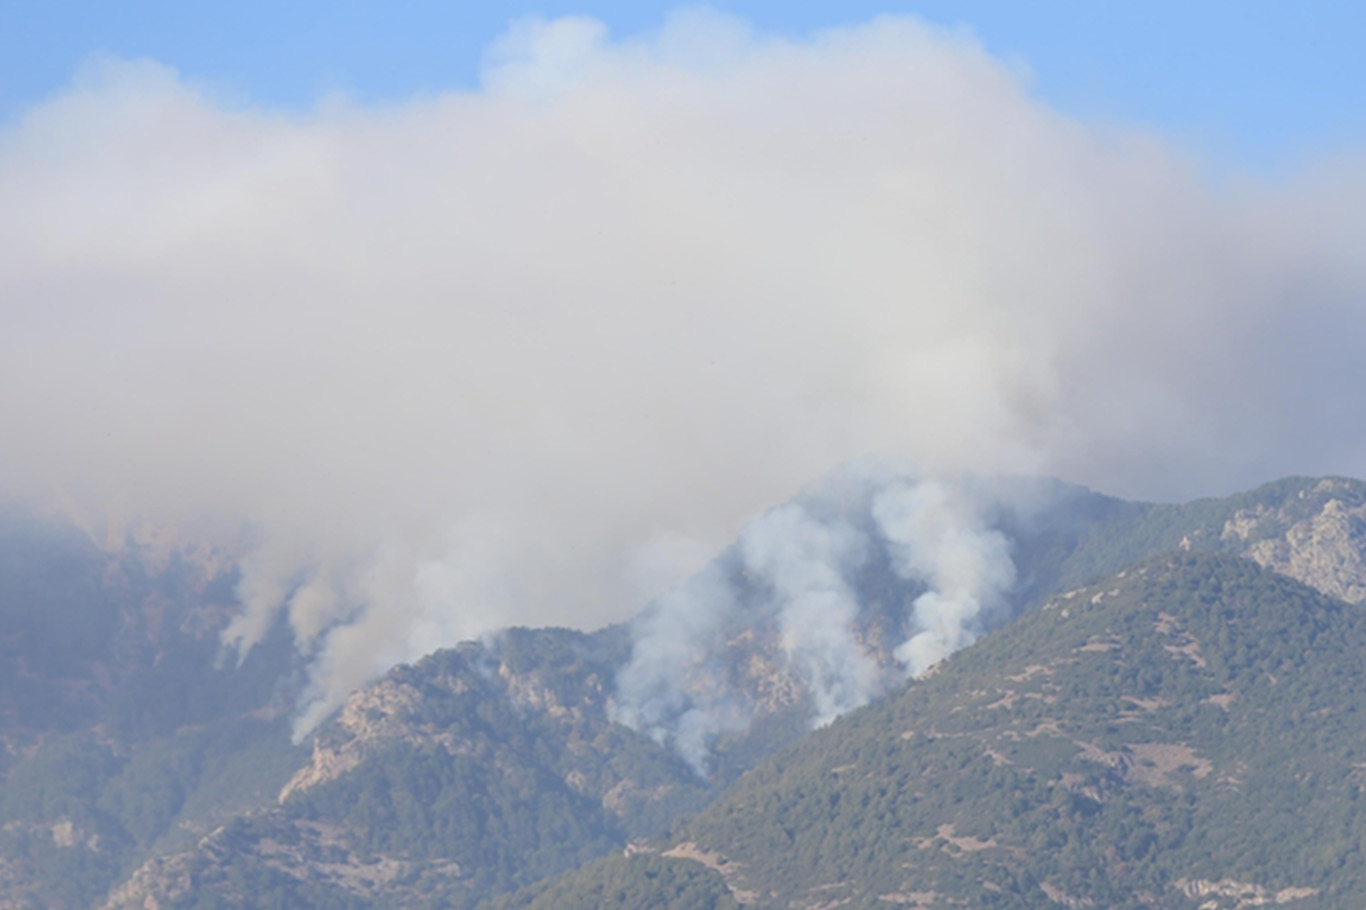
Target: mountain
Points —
{"points": [[479, 769], [1185, 733], [169, 779], [876, 577], [122, 733]]}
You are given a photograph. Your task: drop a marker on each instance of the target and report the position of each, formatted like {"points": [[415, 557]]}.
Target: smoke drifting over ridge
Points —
{"points": [[531, 354], [943, 542], [794, 573]]}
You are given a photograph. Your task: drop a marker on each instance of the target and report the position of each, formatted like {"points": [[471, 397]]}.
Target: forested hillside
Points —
{"points": [[123, 731], [1183, 734], [143, 763]]}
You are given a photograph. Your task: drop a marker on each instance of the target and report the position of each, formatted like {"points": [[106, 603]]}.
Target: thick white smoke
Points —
{"points": [[804, 564], [679, 643], [795, 569], [680, 684], [527, 354], [940, 539]]}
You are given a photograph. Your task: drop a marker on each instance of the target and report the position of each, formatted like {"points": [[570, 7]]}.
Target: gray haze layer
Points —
{"points": [[532, 353]]}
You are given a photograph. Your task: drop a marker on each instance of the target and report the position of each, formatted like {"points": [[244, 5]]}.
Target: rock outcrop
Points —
{"points": [[1325, 549]]}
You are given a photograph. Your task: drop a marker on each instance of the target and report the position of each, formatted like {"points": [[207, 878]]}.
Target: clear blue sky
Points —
{"points": [[1251, 84]]}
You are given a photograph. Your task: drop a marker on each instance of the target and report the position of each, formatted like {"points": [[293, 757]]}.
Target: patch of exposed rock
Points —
{"points": [[157, 883], [383, 711], [1325, 550], [1228, 894], [717, 863]]}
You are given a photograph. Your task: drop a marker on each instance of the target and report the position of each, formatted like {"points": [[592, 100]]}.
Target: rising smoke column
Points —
{"points": [[678, 685], [956, 574], [804, 563], [679, 640], [937, 537]]}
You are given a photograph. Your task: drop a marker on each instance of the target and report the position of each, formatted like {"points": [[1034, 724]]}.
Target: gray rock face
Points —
{"points": [[1325, 550]]}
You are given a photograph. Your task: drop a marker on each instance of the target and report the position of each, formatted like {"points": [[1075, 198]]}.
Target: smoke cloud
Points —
{"points": [[532, 353], [701, 659]]}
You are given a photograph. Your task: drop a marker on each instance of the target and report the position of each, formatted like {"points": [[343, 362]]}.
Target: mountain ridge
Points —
{"points": [[1184, 734], [539, 704]]}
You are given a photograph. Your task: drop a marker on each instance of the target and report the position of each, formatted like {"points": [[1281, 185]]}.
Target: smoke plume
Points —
{"points": [[796, 571], [804, 563], [532, 353], [939, 540]]}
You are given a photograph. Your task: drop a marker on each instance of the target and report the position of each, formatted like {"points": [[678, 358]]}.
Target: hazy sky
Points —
{"points": [[527, 329], [1249, 83]]}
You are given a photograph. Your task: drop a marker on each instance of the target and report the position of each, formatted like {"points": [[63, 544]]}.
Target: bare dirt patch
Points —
{"points": [[1154, 763], [718, 864], [916, 899]]}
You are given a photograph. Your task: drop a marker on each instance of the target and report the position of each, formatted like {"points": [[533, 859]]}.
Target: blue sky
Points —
{"points": [[1252, 85]]}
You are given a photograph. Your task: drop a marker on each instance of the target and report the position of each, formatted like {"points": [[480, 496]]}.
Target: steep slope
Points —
{"points": [[121, 734], [1184, 734], [479, 769]]}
